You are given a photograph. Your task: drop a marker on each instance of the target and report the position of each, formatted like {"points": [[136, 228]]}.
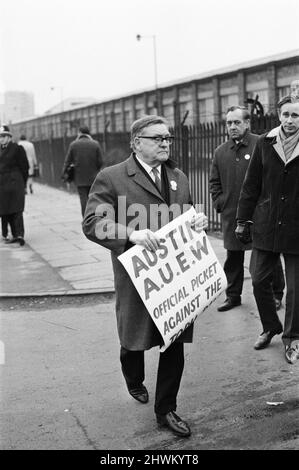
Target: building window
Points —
{"points": [[283, 91], [139, 113], [151, 110], [227, 101], [100, 120], [152, 104], [118, 122], [93, 125], [168, 113], [128, 119], [206, 110], [186, 113], [263, 98]]}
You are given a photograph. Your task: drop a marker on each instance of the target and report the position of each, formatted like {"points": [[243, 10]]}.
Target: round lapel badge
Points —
{"points": [[247, 157]]}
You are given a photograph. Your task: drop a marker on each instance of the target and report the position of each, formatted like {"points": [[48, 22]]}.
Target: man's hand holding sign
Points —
{"points": [[175, 272], [163, 277], [151, 240]]}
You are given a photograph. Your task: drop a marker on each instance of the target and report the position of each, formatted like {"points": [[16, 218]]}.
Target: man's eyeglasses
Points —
{"points": [[159, 139]]}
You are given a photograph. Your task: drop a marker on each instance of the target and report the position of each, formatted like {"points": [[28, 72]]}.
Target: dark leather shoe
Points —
{"points": [[265, 338], [139, 393], [172, 421], [228, 304], [292, 353], [21, 241], [11, 240], [278, 304]]}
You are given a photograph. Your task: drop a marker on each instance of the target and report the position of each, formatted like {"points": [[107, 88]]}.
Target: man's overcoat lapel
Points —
{"points": [[140, 179], [143, 181]]}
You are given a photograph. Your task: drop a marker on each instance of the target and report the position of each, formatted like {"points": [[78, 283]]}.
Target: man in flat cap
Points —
{"points": [[13, 178]]}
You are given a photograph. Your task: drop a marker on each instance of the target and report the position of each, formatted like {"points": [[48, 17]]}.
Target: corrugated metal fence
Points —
{"points": [[193, 149]]}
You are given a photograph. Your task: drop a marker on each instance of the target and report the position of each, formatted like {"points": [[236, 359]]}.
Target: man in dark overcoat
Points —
{"points": [[149, 178], [227, 174], [13, 178], [270, 200], [86, 155]]}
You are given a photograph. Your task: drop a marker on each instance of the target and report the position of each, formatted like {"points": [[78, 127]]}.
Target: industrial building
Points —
{"points": [[197, 99]]}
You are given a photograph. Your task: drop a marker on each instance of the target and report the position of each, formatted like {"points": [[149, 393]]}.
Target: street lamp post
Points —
{"points": [[153, 37]]}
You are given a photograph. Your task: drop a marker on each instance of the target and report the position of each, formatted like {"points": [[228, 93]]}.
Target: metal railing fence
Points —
{"points": [[193, 150]]}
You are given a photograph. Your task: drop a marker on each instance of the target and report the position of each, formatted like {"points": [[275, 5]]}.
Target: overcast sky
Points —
{"points": [[89, 47]]}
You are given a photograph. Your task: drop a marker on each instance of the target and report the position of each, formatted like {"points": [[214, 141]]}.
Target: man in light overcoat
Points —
{"points": [[227, 174], [269, 207]]}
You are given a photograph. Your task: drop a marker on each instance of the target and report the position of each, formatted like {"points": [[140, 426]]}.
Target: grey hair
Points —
{"points": [[145, 121], [287, 99], [245, 111]]}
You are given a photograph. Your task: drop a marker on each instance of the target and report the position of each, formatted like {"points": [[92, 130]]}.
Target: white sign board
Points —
{"points": [[178, 281]]}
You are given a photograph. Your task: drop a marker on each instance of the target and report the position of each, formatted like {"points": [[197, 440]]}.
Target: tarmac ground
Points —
{"points": [[61, 383]]}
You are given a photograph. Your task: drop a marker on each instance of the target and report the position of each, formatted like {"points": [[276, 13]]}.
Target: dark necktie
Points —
{"points": [[157, 178]]}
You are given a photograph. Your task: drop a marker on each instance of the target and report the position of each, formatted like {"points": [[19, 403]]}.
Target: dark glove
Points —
{"points": [[243, 232]]}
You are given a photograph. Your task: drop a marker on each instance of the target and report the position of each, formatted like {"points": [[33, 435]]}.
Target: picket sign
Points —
{"points": [[180, 280]]}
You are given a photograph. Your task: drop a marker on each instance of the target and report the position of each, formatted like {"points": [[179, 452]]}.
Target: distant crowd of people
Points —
{"points": [[253, 185]]}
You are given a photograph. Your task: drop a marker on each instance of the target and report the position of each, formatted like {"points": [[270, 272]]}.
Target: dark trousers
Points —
{"points": [[4, 226], [170, 370], [234, 271], [278, 280], [83, 192], [16, 223], [262, 264]]}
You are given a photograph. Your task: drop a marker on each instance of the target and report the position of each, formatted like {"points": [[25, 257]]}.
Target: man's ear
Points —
{"points": [[136, 143]]}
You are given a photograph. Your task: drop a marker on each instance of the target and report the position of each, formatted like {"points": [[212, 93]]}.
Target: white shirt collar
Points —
{"points": [[148, 168]]}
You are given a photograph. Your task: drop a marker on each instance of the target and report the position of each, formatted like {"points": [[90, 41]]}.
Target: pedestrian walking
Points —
{"points": [[148, 177], [86, 157], [31, 157], [13, 177], [268, 207], [229, 166]]}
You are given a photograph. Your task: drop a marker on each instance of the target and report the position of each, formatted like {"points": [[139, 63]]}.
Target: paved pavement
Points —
{"points": [[57, 258]]}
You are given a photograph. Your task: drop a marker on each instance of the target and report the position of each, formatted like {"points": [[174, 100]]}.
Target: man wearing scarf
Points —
{"points": [[269, 204]]}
